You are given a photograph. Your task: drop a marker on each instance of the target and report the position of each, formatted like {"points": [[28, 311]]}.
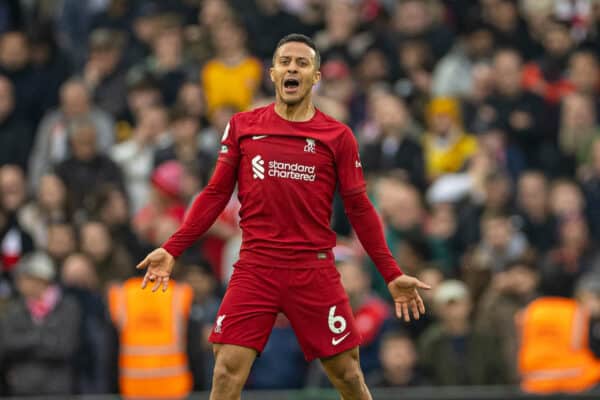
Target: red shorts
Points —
{"points": [[313, 300]]}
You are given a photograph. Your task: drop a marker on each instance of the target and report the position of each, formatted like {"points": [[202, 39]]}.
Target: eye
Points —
{"points": [[284, 61]]}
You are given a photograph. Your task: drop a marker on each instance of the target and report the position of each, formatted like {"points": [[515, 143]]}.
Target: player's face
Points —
{"points": [[294, 72]]}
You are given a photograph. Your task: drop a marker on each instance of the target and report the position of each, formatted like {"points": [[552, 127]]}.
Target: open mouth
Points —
{"points": [[291, 84]]}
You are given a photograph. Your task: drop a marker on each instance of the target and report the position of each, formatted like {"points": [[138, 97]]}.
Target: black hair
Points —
{"points": [[300, 38]]}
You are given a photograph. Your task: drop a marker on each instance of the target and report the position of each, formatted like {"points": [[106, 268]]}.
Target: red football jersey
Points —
{"points": [[287, 173]]}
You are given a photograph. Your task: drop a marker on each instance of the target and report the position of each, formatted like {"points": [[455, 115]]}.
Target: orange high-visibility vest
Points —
{"points": [[554, 355], [153, 362]]}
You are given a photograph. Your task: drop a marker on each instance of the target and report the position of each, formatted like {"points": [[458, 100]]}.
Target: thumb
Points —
{"points": [[421, 285], [143, 264]]}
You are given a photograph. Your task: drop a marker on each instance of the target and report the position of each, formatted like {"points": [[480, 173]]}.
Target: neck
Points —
{"points": [[299, 112]]}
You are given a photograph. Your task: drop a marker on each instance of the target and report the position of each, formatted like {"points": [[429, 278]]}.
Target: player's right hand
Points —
{"points": [[158, 265]]}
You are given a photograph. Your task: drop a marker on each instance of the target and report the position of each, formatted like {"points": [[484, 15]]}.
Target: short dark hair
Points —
{"points": [[298, 37]]}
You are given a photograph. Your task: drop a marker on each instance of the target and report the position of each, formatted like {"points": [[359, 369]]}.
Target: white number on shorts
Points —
{"points": [[337, 323]]}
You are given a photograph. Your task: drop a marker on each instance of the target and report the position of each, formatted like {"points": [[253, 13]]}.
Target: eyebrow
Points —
{"points": [[298, 58]]}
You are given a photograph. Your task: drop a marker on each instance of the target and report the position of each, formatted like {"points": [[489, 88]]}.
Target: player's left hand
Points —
{"points": [[404, 291]]}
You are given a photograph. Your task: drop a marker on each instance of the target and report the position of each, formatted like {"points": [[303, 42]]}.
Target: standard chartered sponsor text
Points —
{"points": [[293, 171]]}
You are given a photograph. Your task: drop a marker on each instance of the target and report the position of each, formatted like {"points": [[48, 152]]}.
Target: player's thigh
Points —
{"points": [[249, 308], [320, 313]]}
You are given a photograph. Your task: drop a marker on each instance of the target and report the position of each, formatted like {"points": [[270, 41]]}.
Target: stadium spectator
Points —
{"points": [[112, 209], [267, 23], [517, 112], [500, 243], [40, 333], [166, 63], [185, 145], [417, 20], [394, 149], [160, 324], [536, 221], [508, 293], [337, 84], [591, 189], [508, 27], [142, 92], [575, 255], [52, 63], [399, 362], [452, 75], [566, 198], [578, 130], [546, 76], [370, 311], [164, 204], [584, 72], [16, 135], [86, 164], [112, 262], [104, 72], [233, 76], [48, 205], [15, 64], [446, 146], [61, 240], [135, 156], [79, 279], [451, 351], [555, 350], [205, 304], [51, 140], [341, 37]]}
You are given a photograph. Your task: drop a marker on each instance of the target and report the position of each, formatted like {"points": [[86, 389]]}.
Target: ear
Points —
{"points": [[316, 77], [271, 74]]}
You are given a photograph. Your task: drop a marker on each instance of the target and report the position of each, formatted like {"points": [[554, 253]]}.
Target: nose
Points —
{"points": [[292, 67]]}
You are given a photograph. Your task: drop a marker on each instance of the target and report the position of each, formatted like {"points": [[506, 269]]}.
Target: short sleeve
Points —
{"points": [[230, 148], [349, 167]]}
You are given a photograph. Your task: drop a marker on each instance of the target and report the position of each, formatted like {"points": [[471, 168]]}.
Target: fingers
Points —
{"points": [[405, 312], [415, 309], [157, 283], [165, 283], [145, 280], [399, 310], [420, 303], [143, 264]]}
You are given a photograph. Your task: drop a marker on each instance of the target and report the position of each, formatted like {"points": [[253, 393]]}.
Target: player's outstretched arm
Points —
{"points": [[204, 211], [368, 227]]}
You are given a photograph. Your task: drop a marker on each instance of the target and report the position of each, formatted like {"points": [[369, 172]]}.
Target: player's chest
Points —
{"points": [[291, 158]]}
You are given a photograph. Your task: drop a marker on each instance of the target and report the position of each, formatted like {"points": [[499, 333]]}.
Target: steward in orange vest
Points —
{"points": [[554, 355], [152, 330]]}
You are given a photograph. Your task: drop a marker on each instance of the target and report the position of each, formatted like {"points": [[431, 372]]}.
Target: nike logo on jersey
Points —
{"points": [[257, 137], [336, 341]]}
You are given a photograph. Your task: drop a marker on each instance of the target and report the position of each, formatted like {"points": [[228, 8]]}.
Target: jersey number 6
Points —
{"points": [[337, 323]]}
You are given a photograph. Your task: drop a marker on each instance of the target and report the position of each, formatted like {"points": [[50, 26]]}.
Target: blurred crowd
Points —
{"points": [[479, 129]]}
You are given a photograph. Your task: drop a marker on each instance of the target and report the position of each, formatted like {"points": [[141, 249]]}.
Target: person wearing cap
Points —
{"points": [[447, 147], [40, 332], [165, 207], [452, 351]]}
